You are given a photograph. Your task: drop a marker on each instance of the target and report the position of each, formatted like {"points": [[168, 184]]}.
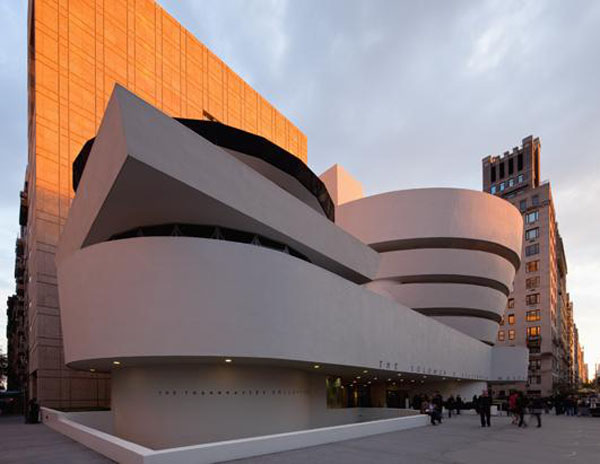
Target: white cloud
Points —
{"points": [[403, 94], [506, 33]]}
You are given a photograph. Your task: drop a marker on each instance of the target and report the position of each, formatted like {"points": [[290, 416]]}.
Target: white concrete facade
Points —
{"points": [[446, 253], [234, 332]]}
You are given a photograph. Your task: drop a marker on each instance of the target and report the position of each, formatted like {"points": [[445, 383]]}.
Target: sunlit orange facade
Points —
{"points": [[78, 50]]}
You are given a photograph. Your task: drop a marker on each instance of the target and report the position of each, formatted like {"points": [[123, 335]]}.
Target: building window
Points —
{"points": [[511, 334], [511, 182], [532, 282], [493, 174], [532, 249], [532, 234], [533, 316], [533, 266], [501, 335], [532, 299], [534, 349], [535, 200], [502, 186], [520, 162], [520, 178], [535, 379], [523, 205], [511, 319], [532, 217], [493, 189], [511, 166], [502, 170], [535, 364], [534, 331], [511, 303]]}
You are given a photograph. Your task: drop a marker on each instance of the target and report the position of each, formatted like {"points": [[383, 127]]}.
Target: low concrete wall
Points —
{"points": [[114, 448], [99, 420], [126, 452], [327, 417]]}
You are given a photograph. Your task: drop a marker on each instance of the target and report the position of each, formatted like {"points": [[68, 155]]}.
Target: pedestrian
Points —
{"points": [[33, 412], [429, 408], [547, 405], [485, 408], [450, 405], [438, 402], [459, 404], [536, 409], [512, 407], [432, 411], [569, 406], [416, 403], [423, 404], [559, 405], [521, 408]]}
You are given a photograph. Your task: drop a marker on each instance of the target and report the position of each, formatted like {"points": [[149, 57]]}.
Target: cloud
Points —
{"points": [[403, 94], [502, 35]]}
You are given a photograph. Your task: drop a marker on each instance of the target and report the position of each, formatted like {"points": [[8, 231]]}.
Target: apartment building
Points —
{"points": [[539, 312]]}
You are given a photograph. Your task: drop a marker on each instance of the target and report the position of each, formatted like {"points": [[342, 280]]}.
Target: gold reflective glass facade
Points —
{"points": [[78, 50]]}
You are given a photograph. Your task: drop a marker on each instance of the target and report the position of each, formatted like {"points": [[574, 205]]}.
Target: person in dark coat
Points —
{"points": [[536, 409], [450, 405], [416, 402], [33, 412], [521, 408], [476, 404], [484, 405], [459, 404], [438, 402]]}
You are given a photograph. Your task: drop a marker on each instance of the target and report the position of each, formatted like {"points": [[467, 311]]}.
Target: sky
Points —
{"points": [[402, 94]]}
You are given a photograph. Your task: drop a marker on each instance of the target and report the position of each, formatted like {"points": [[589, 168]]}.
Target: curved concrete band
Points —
{"points": [[449, 242], [451, 279], [284, 310], [449, 253]]}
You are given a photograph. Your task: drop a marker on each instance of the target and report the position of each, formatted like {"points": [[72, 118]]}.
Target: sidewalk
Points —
{"points": [[574, 440], [461, 440], [37, 444]]}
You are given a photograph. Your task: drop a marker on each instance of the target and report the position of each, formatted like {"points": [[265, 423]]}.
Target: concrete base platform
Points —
{"points": [[87, 430], [458, 441]]}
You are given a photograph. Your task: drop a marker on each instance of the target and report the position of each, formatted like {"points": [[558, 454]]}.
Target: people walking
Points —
{"points": [[429, 408], [459, 404], [484, 404], [434, 414], [521, 408], [571, 406], [423, 404], [512, 407], [536, 409], [450, 405], [438, 402], [416, 402]]}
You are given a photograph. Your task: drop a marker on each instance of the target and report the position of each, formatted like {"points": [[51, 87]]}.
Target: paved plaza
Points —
{"points": [[457, 441], [462, 440], [38, 444]]}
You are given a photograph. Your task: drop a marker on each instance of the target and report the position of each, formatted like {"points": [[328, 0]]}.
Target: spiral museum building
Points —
{"points": [[232, 293]]}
